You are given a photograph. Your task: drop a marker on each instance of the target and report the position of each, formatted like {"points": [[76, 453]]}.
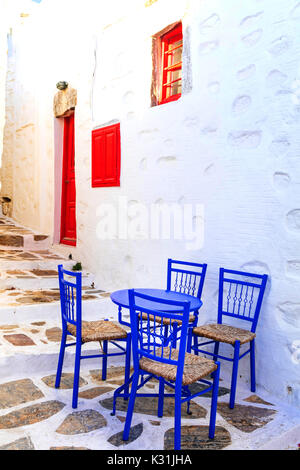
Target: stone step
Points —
{"points": [[26, 260], [19, 306], [33, 345], [36, 279], [13, 236], [42, 357]]}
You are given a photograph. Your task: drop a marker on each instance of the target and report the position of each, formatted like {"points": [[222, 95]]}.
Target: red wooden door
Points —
{"points": [[68, 201]]}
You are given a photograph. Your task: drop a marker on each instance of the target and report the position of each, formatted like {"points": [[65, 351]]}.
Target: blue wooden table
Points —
{"points": [[121, 299]]}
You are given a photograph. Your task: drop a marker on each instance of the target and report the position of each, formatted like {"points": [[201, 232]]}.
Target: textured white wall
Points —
{"points": [[231, 143]]}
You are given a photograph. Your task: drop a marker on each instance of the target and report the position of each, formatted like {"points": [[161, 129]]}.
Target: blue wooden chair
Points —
{"points": [[102, 331], [240, 298], [188, 278], [154, 356]]}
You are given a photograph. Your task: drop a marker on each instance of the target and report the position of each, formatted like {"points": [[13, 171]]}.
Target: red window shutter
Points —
{"points": [[171, 61], [106, 153]]}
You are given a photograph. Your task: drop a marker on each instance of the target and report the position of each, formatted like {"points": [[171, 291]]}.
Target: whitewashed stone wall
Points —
{"points": [[231, 143]]}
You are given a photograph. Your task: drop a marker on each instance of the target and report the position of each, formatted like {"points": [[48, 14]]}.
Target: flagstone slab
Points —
{"points": [[34, 299], [44, 272], [8, 327], [16, 272], [94, 392], [24, 443], [257, 399], [19, 340], [69, 448], [198, 387], [196, 438], [149, 405], [30, 414], [135, 432], [18, 392], [11, 240], [246, 418], [114, 374], [54, 334], [80, 422], [66, 381]]}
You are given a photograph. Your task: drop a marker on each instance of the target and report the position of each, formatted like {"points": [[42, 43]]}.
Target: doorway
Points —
{"points": [[68, 194]]}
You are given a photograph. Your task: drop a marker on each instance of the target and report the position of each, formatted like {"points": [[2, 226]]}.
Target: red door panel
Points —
{"points": [[68, 203]]}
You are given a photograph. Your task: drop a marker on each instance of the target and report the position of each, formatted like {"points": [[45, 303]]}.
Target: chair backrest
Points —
{"points": [[70, 286], [151, 342], [240, 295], [185, 277]]}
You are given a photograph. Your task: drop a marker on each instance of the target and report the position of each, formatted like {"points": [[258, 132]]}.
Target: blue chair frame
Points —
{"points": [[71, 313], [243, 301], [188, 278], [149, 342]]}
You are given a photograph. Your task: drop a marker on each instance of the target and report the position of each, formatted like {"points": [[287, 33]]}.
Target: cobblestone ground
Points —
{"points": [[35, 415]]}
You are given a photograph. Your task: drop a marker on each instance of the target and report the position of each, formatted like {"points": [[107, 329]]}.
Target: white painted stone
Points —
{"points": [[242, 166]]}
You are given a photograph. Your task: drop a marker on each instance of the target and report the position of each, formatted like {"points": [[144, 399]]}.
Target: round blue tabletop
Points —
{"points": [[120, 297]]}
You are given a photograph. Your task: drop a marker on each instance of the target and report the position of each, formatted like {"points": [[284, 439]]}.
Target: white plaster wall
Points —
{"points": [[20, 173], [231, 143]]}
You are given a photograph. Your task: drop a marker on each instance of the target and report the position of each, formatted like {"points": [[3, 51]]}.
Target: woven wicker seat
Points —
{"points": [[99, 331], [195, 367], [224, 333], [164, 320]]}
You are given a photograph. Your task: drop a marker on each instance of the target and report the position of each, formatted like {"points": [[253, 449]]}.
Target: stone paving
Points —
{"points": [[35, 415]]}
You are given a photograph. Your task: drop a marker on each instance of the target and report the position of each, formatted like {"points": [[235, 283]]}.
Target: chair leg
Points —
{"points": [[76, 375], [188, 403], [104, 359], [216, 351], [234, 373], [130, 408], [127, 364], [160, 410], [252, 365], [177, 427], [196, 345], [61, 359], [214, 402], [189, 340]]}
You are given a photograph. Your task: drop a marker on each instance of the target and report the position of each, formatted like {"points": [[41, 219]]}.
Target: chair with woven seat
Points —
{"points": [[102, 331], [240, 297], [187, 278], [155, 357]]}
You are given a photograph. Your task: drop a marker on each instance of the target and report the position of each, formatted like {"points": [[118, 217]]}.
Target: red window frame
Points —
{"points": [[106, 156], [167, 63]]}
